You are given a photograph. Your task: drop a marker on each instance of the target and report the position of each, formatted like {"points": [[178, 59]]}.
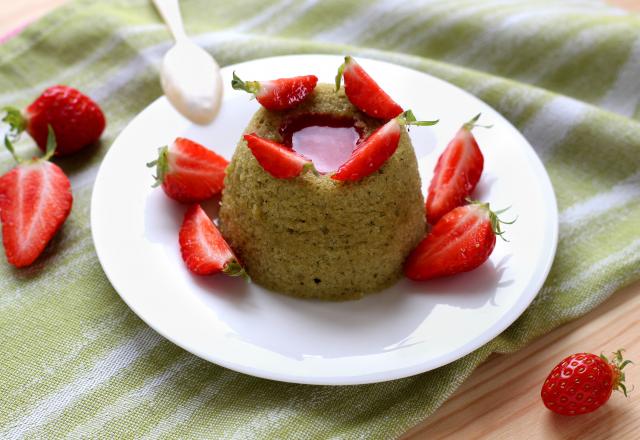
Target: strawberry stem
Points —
{"points": [[493, 216], [161, 164], [471, 124], [347, 60], [248, 86], [408, 118], [17, 123]]}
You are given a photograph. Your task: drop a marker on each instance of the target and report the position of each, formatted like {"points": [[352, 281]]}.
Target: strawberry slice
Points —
{"points": [[371, 154], [278, 94], [76, 119], [35, 200], [203, 249], [364, 92], [276, 159], [189, 172], [456, 174], [461, 241]]}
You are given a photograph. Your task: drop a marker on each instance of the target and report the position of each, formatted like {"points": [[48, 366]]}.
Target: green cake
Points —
{"points": [[313, 236]]}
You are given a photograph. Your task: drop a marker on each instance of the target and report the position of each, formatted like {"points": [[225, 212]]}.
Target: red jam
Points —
{"points": [[327, 140]]}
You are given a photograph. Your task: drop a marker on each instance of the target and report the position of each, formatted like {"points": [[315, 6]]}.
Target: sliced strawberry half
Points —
{"points": [[456, 174], [35, 200], [277, 159], [278, 94], [203, 249], [374, 151], [460, 241], [364, 92], [189, 172]]}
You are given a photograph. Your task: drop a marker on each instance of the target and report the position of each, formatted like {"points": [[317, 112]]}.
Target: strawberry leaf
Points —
{"points": [[17, 124], [408, 118], [472, 123], [9, 145], [51, 144], [624, 389]]}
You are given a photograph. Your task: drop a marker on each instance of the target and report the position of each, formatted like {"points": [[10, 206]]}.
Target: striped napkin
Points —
{"points": [[78, 363]]}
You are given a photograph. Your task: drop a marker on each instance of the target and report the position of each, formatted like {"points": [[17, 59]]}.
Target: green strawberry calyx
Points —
{"points": [[617, 364], [14, 134], [233, 268], [161, 165], [309, 166], [252, 87], [494, 217]]}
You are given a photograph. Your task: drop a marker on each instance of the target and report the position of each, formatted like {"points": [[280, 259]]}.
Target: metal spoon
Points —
{"points": [[190, 77]]}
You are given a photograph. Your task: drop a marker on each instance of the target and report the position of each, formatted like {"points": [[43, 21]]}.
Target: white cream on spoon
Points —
{"points": [[190, 77]]}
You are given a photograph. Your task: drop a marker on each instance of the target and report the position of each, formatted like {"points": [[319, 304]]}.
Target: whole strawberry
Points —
{"points": [[583, 382], [77, 121], [35, 200]]}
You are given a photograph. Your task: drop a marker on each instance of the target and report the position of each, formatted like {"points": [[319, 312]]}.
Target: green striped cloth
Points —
{"points": [[77, 362]]}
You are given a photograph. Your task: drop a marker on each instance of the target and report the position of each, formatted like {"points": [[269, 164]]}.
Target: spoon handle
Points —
{"points": [[170, 13]]}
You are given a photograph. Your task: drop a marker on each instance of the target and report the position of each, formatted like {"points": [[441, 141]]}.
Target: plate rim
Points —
{"points": [[529, 292]]}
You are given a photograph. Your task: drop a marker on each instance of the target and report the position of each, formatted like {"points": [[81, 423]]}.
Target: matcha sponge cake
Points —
{"points": [[312, 236]]}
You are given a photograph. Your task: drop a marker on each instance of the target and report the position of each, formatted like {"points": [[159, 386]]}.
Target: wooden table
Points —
{"points": [[501, 399]]}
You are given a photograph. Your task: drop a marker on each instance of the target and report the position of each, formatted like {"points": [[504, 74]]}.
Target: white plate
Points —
{"points": [[405, 330]]}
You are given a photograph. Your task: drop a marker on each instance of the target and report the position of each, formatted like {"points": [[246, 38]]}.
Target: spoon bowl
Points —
{"points": [[190, 77], [192, 82]]}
